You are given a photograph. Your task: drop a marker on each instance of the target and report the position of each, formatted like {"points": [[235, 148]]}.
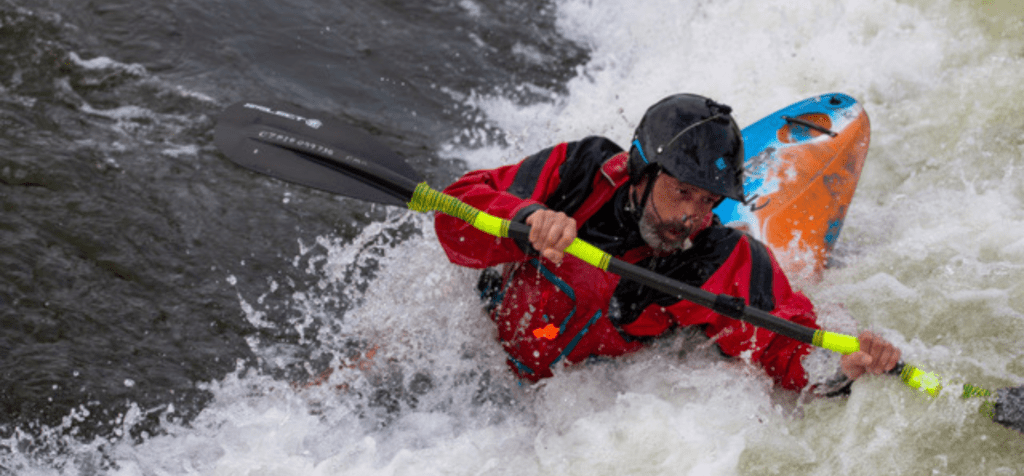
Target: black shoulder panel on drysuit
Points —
{"points": [[711, 248], [762, 294], [583, 161], [529, 172]]}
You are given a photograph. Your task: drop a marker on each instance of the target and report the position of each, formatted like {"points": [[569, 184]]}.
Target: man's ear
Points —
{"points": [[635, 190]]}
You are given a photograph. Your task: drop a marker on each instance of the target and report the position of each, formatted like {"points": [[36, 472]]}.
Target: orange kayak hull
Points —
{"points": [[802, 168]]}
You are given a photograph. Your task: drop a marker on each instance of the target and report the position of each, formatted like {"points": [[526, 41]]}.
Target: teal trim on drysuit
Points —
{"points": [[568, 291]]}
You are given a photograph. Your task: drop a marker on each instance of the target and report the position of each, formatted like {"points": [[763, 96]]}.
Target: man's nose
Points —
{"points": [[687, 211]]}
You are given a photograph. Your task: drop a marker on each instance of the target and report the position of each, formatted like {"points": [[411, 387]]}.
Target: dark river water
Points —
{"points": [[121, 222]]}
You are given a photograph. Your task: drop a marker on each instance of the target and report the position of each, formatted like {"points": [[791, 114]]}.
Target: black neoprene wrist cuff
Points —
{"points": [[520, 217]]}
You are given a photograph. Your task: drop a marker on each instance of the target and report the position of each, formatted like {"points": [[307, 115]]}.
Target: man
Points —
{"points": [[652, 207]]}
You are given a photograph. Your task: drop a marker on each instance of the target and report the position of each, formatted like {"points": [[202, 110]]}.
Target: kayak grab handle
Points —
{"points": [[810, 125]]}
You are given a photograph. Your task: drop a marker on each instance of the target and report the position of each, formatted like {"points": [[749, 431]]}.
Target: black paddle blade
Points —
{"points": [[304, 147]]}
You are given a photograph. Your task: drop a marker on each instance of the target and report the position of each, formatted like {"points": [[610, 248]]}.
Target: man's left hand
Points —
{"points": [[876, 356]]}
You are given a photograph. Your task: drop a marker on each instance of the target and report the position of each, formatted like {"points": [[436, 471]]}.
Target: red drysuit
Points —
{"points": [[547, 314]]}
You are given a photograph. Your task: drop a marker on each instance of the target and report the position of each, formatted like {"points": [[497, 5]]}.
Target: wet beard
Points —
{"points": [[654, 233]]}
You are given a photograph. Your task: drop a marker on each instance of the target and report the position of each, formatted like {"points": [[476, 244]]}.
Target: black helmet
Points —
{"points": [[693, 139]]}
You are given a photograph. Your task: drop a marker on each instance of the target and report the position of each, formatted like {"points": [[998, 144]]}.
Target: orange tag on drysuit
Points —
{"points": [[549, 332]]}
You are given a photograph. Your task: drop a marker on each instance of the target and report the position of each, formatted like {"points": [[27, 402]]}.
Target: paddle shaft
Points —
{"points": [[426, 199], [255, 141]]}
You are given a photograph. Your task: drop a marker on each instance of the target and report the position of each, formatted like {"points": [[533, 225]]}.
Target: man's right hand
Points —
{"points": [[551, 233]]}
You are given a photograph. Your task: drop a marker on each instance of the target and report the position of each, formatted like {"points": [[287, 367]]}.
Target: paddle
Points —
{"points": [[295, 145]]}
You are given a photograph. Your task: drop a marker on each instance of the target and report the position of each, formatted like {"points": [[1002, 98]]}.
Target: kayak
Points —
{"points": [[802, 166]]}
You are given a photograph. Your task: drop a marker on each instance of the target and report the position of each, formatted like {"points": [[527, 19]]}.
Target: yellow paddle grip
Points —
{"points": [[426, 199], [835, 342], [921, 380]]}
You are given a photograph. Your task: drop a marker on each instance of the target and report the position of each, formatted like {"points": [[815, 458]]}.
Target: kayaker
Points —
{"points": [[651, 206]]}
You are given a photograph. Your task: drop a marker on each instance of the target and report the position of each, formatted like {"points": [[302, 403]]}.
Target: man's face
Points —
{"points": [[673, 212]]}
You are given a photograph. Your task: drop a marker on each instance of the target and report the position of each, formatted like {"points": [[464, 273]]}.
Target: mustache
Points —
{"points": [[683, 226]]}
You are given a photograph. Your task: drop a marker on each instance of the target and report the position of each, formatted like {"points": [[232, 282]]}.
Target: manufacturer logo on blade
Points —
{"points": [[295, 143]]}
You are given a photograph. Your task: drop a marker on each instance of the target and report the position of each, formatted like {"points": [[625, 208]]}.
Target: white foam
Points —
{"points": [[178, 151], [105, 63]]}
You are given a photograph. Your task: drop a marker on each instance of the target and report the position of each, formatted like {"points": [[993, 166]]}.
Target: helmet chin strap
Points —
{"points": [[637, 207]]}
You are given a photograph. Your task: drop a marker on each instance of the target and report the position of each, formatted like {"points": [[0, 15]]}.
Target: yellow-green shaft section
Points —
{"points": [[426, 199]]}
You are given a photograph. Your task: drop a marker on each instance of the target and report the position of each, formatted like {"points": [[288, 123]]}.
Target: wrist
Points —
{"points": [[524, 213], [520, 217]]}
